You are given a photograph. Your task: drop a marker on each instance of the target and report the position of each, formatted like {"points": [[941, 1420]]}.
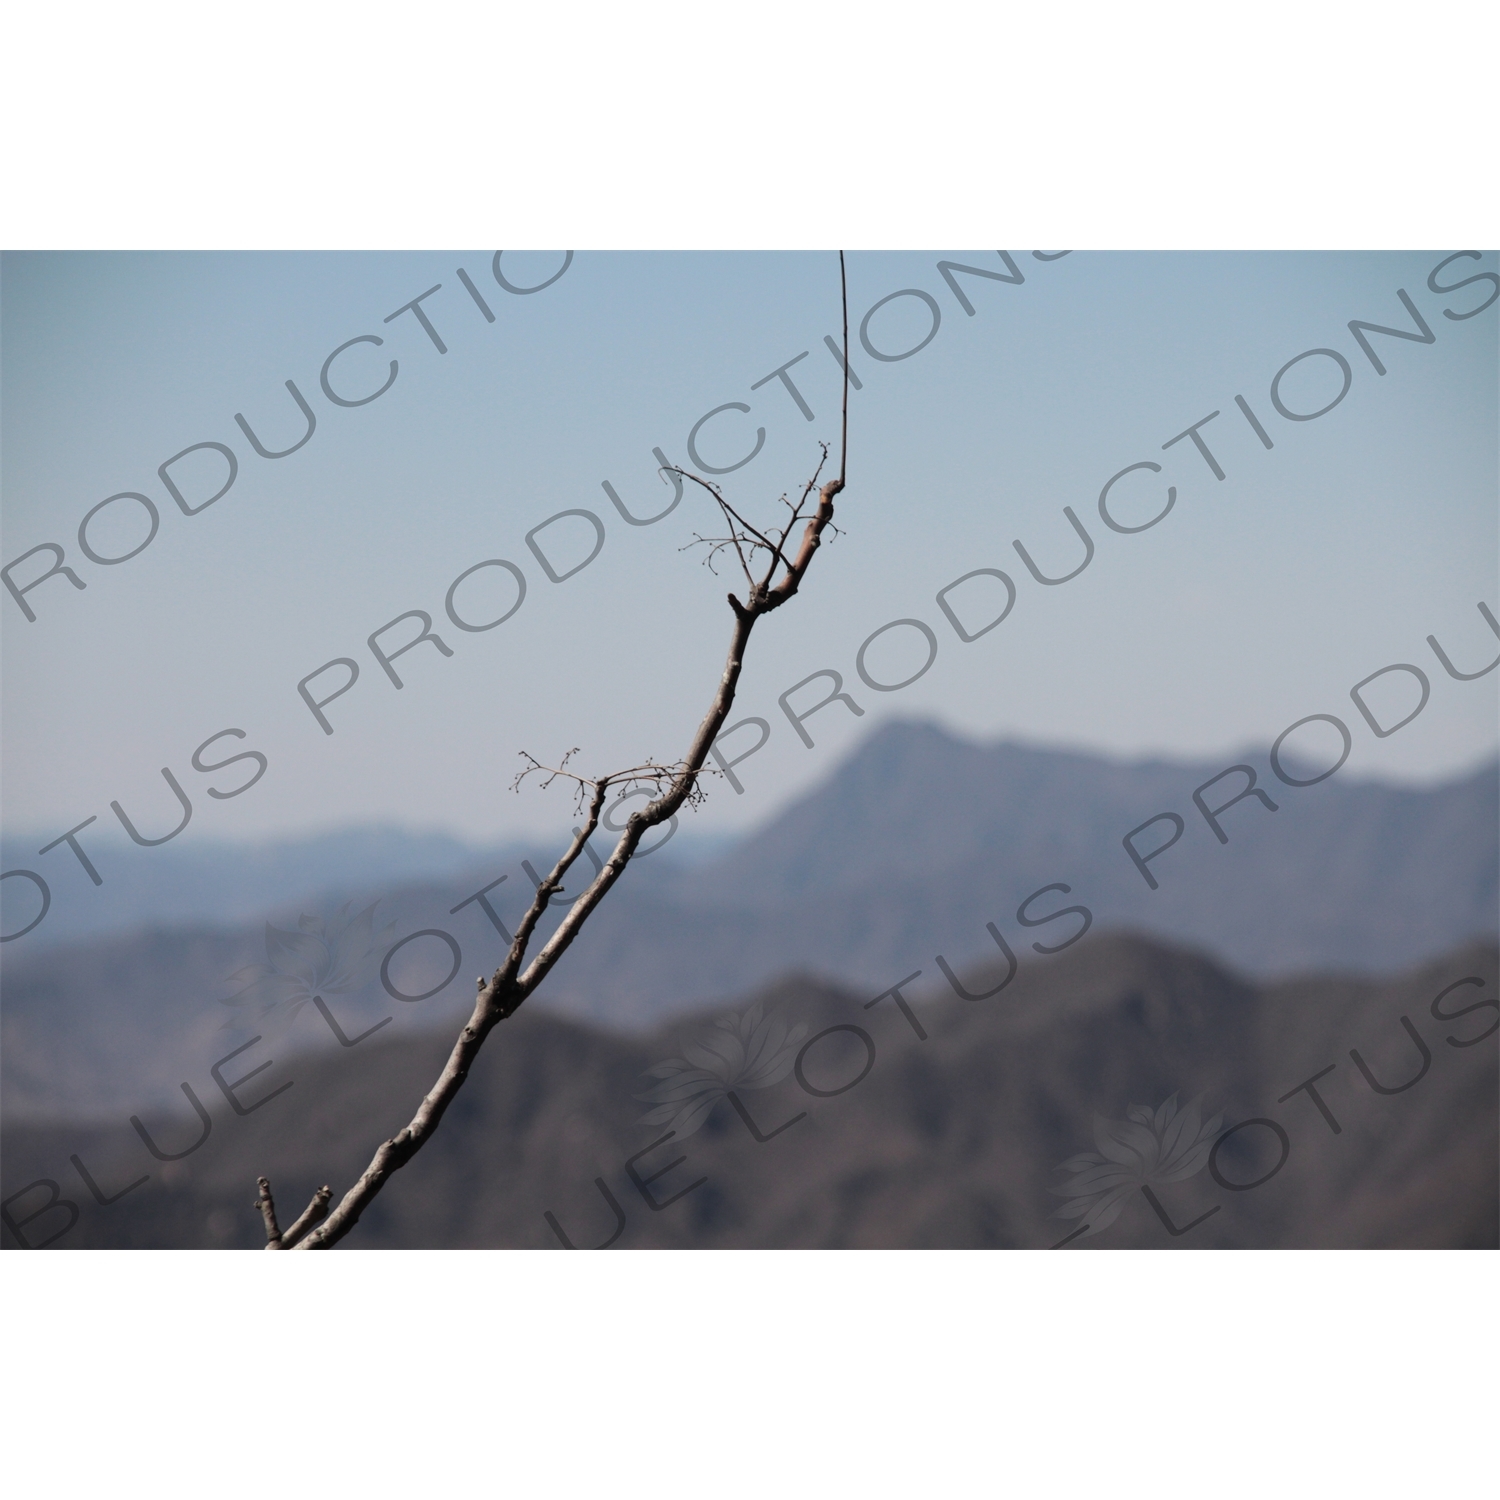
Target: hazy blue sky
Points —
{"points": [[1259, 599]]}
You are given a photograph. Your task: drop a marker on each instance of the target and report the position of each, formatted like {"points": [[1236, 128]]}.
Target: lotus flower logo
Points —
{"points": [[748, 1051], [314, 960], [1148, 1147]]}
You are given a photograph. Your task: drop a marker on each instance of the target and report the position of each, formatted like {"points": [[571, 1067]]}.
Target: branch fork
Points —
{"points": [[313, 1214]]}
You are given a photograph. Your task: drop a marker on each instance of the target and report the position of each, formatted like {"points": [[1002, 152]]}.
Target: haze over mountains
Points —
{"points": [[217, 884], [914, 844]]}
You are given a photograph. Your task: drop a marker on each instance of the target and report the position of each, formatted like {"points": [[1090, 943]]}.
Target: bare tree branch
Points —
{"points": [[675, 784], [267, 1206]]}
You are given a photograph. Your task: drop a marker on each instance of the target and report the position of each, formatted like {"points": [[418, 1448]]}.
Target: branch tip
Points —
{"points": [[267, 1206]]}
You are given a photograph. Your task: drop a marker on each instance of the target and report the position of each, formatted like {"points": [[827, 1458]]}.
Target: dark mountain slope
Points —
{"points": [[949, 1141]]}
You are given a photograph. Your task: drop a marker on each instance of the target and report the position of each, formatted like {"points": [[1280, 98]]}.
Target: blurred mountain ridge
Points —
{"points": [[908, 849]]}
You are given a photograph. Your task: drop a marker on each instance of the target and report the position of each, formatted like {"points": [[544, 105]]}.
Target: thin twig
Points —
{"points": [[735, 519], [844, 429]]}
